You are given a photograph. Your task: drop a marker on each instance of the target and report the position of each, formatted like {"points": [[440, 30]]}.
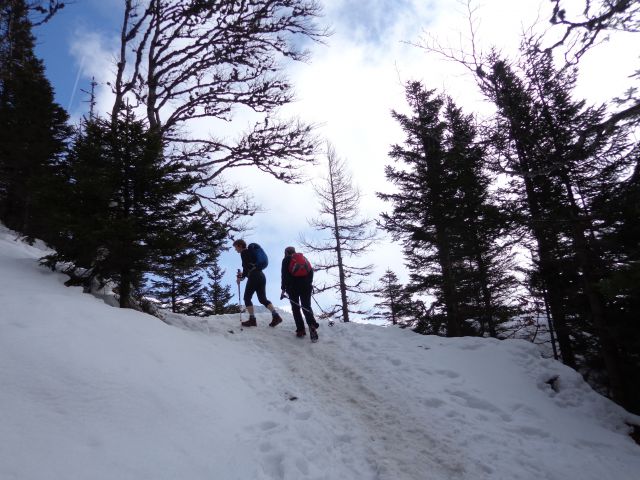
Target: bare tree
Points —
{"points": [[348, 236], [585, 29], [600, 17], [43, 11], [589, 27], [184, 61]]}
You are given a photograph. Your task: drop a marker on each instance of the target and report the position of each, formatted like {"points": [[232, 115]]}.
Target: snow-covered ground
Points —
{"points": [[91, 392]]}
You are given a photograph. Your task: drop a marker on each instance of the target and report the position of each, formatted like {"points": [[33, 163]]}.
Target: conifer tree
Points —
{"points": [[516, 139], [33, 128], [348, 235], [563, 162], [395, 302], [175, 279], [442, 214], [124, 207], [191, 61], [218, 295], [572, 175], [185, 250], [180, 285]]}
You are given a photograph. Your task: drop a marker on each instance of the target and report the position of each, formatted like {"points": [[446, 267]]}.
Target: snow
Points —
{"points": [[95, 392]]}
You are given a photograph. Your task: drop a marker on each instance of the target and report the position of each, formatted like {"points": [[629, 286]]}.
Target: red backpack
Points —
{"points": [[299, 266]]}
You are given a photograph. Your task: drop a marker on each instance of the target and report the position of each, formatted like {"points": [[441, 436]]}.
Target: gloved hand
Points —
{"points": [[239, 277]]}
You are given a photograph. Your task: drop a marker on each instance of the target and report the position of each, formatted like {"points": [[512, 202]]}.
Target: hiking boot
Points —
{"points": [[300, 333], [313, 335], [276, 320], [316, 325], [250, 323]]}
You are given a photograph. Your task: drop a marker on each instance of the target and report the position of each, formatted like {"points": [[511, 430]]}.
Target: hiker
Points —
{"points": [[254, 260], [297, 282]]}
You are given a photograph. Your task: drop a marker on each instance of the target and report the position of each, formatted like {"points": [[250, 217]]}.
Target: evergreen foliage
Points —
{"points": [[124, 207], [444, 218], [219, 295], [143, 204], [33, 129], [564, 163], [395, 303], [188, 248]]}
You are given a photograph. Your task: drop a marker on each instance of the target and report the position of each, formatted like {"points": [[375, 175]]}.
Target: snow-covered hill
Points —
{"points": [[91, 392]]}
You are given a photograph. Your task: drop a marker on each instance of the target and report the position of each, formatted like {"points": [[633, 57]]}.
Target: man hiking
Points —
{"points": [[297, 282], [254, 260]]}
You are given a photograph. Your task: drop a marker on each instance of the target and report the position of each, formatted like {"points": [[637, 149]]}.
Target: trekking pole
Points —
{"points": [[296, 303], [239, 301], [306, 309], [331, 322]]}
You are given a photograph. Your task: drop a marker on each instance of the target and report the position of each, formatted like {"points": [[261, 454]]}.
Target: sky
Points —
{"points": [[348, 89], [95, 392]]}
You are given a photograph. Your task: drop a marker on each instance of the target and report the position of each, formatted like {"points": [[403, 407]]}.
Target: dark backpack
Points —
{"points": [[260, 258], [299, 266]]}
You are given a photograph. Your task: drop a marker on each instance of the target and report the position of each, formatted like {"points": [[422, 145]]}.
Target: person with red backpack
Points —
{"points": [[297, 282], [254, 260]]}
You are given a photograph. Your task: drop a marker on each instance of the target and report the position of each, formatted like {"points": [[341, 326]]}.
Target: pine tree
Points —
{"points": [[564, 160], [218, 295], [180, 285], [123, 203], [442, 214], [487, 283], [517, 138], [619, 210], [33, 129], [185, 254], [396, 303]]}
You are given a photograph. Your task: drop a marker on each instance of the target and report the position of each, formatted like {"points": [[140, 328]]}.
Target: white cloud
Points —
{"points": [[94, 56]]}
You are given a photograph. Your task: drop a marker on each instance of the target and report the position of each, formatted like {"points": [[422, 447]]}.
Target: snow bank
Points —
{"points": [[95, 392]]}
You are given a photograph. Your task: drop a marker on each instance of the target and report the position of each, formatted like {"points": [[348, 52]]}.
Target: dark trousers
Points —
{"points": [[256, 283], [300, 293]]}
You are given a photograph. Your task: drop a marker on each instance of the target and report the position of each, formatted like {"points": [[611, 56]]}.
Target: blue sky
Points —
{"points": [[55, 39], [348, 89]]}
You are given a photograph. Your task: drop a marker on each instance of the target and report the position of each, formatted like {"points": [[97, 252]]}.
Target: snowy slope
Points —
{"points": [[94, 392]]}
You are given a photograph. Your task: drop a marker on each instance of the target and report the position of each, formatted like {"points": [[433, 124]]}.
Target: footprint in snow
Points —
{"points": [[303, 415], [448, 373], [268, 425], [274, 465], [265, 447], [432, 402]]}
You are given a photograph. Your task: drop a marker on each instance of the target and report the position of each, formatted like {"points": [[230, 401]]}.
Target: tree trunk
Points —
{"points": [[448, 284], [590, 279], [486, 298], [125, 288], [548, 271], [341, 279]]}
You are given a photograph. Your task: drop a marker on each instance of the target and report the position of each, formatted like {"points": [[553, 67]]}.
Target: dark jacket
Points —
{"points": [[288, 281], [248, 262]]}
